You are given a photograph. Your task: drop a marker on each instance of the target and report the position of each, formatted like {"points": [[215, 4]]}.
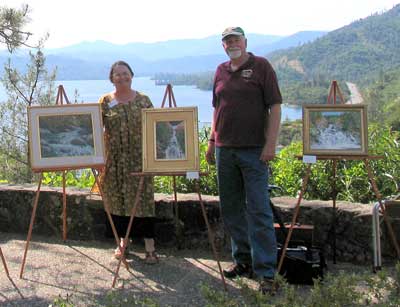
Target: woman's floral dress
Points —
{"points": [[123, 143]]}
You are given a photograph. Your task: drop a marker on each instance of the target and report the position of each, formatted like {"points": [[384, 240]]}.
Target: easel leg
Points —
{"points": [[133, 212], [379, 197], [28, 239], [8, 273], [334, 195], [4, 263], [295, 214], [107, 210], [64, 209], [210, 234], [178, 226], [175, 200]]}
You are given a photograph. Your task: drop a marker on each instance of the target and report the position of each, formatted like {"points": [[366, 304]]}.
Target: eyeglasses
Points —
{"points": [[124, 74]]}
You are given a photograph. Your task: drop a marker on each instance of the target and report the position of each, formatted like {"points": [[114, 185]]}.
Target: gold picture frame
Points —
{"points": [[335, 130], [63, 137], [170, 140]]}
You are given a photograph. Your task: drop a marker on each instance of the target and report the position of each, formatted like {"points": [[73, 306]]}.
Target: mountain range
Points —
{"points": [[91, 60], [357, 52]]}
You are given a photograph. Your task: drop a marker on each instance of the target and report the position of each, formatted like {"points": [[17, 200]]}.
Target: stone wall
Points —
{"points": [[87, 221]]}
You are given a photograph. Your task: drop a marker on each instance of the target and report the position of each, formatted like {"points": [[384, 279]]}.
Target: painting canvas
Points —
{"points": [[66, 136], [335, 130], [170, 139]]}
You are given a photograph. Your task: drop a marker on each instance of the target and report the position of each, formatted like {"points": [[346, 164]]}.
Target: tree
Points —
{"points": [[34, 87], [12, 22]]}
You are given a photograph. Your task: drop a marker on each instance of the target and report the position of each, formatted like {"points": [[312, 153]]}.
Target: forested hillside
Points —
{"points": [[366, 52], [383, 99], [357, 52]]}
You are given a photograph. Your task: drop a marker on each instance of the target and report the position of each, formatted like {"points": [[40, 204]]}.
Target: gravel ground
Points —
{"points": [[85, 271]]}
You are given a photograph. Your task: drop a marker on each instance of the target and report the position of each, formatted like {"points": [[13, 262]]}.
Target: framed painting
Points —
{"points": [[335, 130], [65, 137], [170, 140]]}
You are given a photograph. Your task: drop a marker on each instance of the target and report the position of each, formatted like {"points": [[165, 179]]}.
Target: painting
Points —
{"points": [[335, 130], [170, 140], [65, 137]]}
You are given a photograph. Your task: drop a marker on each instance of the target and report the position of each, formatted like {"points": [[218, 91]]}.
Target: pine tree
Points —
{"points": [[12, 22], [33, 86]]}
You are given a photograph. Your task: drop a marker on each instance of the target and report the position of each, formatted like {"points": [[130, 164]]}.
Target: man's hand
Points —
{"points": [[210, 154], [273, 120], [268, 153]]}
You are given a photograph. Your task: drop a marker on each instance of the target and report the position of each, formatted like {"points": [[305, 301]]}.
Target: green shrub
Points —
{"points": [[352, 181], [340, 289], [81, 178]]}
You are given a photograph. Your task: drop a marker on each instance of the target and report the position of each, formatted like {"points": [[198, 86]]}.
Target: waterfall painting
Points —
{"points": [[170, 140], [65, 137], [335, 130]]}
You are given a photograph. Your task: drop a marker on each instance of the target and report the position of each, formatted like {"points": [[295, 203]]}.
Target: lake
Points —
{"points": [[91, 90]]}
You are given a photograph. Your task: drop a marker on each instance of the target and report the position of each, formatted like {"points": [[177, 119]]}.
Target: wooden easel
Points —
{"points": [[334, 90], [3, 259], [171, 103], [61, 95]]}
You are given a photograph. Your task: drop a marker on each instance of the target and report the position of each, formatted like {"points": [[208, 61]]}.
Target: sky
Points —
{"points": [[124, 21]]}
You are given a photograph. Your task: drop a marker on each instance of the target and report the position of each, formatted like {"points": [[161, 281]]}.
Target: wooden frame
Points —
{"points": [[335, 130], [170, 140], [65, 137]]}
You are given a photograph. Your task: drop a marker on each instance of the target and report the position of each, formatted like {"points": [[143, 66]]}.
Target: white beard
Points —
{"points": [[234, 54]]}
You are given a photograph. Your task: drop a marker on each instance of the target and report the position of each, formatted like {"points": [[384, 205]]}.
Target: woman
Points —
{"points": [[122, 120]]}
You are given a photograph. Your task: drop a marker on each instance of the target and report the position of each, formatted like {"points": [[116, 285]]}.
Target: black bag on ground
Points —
{"points": [[301, 264]]}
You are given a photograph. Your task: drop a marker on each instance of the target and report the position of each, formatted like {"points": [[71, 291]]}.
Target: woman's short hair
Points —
{"points": [[110, 76]]}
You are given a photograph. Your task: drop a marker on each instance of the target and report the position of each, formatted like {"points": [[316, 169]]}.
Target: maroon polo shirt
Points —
{"points": [[241, 100]]}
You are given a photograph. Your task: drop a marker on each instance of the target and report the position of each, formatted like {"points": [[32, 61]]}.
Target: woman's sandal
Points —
{"points": [[151, 258]]}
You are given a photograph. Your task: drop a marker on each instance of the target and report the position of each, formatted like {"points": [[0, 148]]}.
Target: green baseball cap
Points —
{"points": [[238, 31]]}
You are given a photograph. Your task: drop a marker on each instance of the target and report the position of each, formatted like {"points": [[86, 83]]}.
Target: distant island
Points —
{"points": [[202, 81]]}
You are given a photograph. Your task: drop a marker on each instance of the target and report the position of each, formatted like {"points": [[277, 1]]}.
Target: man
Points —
{"points": [[246, 119]]}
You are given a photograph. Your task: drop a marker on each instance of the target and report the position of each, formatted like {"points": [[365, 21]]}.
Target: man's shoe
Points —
{"points": [[237, 270], [268, 286]]}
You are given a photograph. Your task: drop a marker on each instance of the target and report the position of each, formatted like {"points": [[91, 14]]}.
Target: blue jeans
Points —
{"points": [[246, 212]]}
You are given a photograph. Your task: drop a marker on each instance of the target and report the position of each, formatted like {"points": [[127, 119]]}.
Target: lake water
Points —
{"points": [[185, 96]]}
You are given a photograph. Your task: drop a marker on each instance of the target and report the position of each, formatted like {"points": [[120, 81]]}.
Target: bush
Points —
{"points": [[340, 289], [352, 181], [288, 171]]}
